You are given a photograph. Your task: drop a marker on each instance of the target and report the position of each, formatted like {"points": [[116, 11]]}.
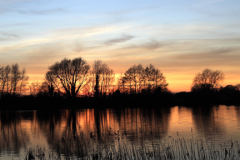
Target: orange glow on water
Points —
{"points": [[48, 129]]}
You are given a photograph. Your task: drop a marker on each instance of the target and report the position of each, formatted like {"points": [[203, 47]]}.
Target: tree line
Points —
{"points": [[68, 78], [13, 80]]}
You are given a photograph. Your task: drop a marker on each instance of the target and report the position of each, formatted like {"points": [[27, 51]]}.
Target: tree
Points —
{"points": [[155, 78], [69, 76], [207, 80], [16, 77], [150, 78], [238, 87], [7, 76], [102, 76], [34, 88], [12, 80], [46, 88], [2, 79], [23, 81], [133, 76]]}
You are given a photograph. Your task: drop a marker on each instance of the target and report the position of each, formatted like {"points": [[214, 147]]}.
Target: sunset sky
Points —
{"points": [[180, 37]]}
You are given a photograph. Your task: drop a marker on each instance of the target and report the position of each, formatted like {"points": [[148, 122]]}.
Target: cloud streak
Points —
{"points": [[151, 45], [121, 39], [216, 53], [41, 12], [10, 35], [7, 36]]}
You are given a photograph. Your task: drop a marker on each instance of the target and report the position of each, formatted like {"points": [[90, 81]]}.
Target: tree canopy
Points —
{"points": [[68, 76], [207, 80], [12, 80], [102, 76], [139, 78]]}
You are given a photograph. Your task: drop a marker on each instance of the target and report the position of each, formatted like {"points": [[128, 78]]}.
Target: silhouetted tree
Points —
{"points": [[2, 79], [96, 88], [141, 78], [12, 80], [155, 78], [207, 80], [229, 94], [69, 76], [34, 88], [105, 77], [7, 76], [15, 79], [47, 88], [133, 76], [238, 87], [23, 81], [121, 83]]}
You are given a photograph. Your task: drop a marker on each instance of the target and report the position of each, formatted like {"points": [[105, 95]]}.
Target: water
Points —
{"points": [[59, 133]]}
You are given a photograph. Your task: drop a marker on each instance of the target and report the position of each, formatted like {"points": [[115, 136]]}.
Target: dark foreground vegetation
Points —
{"points": [[85, 147], [71, 84]]}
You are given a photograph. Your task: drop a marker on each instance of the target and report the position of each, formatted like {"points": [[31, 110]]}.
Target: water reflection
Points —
{"points": [[12, 136], [209, 122], [77, 132]]}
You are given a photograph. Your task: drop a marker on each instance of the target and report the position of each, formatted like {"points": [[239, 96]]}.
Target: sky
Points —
{"points": [[179, 37]]}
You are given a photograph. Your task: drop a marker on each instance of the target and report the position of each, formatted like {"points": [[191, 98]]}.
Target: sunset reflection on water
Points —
{"points": [[20, 131]]}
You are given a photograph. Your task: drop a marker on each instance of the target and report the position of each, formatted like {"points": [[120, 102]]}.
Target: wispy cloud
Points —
{"points": [[211, 54], [121, 39], [48, 11], [8, 36], [151, 45]]}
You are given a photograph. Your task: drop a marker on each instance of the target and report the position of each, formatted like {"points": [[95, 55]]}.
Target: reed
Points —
{"points": [[118, 147]]}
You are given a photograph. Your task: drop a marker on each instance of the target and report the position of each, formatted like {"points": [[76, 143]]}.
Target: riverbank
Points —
{"points": [[120, 100]]}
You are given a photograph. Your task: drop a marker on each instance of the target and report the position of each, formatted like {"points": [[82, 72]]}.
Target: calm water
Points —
{"points": [[59, 132]]}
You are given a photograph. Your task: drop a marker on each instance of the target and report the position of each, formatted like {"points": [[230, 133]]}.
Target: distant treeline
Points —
{"points": [[137, 87]]}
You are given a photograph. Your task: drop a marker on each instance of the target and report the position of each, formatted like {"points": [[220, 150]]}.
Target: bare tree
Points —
{"points": [[150, 78], [46, 88], [109, 79], [97, 70], [23, 81], [238, 87], [122, 83], [69, 76], [7, 76], [155, 78], [102, 74], [2, 79], [34, 88], [12, 80], [133, 76], [208, 79], [16, 77]]}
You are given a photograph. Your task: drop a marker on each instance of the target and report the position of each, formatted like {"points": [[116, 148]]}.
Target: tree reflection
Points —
{"points": [[76, 132], [206, 120], [81, 132], [237, 110], [12, 136]]}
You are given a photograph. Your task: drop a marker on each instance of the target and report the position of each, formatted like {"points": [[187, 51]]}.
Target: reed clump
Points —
{"points": [[117, 146]]}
